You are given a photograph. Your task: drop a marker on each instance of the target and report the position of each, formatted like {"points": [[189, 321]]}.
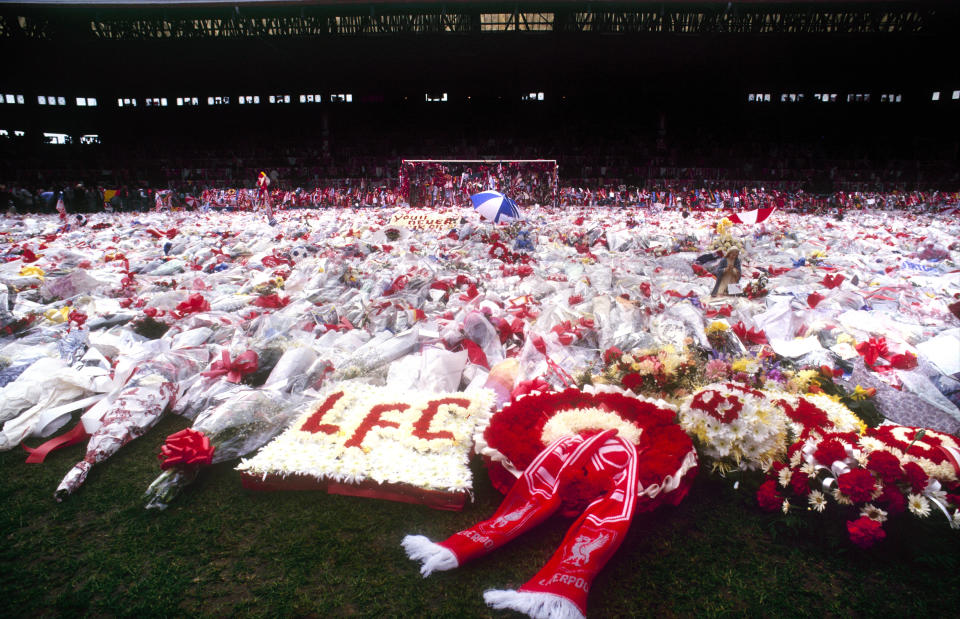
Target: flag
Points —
{"points": [[755, 216]]}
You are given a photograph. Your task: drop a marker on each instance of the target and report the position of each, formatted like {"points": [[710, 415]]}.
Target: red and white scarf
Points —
{"points": [[560, 588]]}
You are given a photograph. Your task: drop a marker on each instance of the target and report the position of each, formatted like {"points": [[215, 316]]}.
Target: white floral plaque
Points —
{"points": [[371, 441]]}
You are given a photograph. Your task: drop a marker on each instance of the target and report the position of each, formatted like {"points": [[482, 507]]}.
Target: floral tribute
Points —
{"points": [[868, 478], [601, 453], [518, 433], [655, 372], [739, 427], [369, 441]]}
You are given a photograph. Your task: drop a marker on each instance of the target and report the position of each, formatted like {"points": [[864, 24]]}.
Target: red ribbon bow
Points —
{"points": [[195, 303], [187, 448], [872, 350], [751, 335], [245, 363], [832, 281], [726, 310]]}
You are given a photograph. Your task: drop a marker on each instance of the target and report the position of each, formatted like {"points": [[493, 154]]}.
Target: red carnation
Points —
{"points": [[865, 532], [800, 483], [768, 497], [829, 452], [916, 476], [858, 484], [893, 499], [886, 465], [632, 381]]}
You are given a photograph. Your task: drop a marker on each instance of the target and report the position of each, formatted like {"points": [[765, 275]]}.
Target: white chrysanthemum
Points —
{"points": [[809, 469], [818, 502], [784, 477], [841, 498], [919, 505], [873, 512], [786, 506]]}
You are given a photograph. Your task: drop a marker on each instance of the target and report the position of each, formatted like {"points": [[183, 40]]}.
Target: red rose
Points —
{"points": [[829, 452], [886, 465], [916, 476], [858, 484], [768, 497], [864, 532]]}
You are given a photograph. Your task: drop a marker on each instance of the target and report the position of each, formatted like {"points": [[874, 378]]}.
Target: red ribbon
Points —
{"points": [[195, 303], [37, 454], [562, 374], [872, 349], [186, 447], [245, 363]]}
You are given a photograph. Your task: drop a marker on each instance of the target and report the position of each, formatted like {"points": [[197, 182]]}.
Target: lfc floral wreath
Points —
{"points": [[359, 433]]}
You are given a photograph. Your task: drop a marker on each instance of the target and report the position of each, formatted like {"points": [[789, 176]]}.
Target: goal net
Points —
{"points": [[428, 183]]}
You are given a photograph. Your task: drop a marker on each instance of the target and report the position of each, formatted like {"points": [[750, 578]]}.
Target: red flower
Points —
{"points": [[195, 303], [77, 317], [916, 476], [893, 499], [806, 414], [612, 354], [858, 484], [886, 465], [800, 483], [768, 498], [645, 289], [751, 336], [865, 532], [829, 452], [632, 380], [574, 299]]}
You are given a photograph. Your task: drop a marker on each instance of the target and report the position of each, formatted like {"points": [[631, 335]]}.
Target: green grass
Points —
{"points": [[221, 550]]}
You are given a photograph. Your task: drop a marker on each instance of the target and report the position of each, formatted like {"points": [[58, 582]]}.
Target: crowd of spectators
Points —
{"points": [[365, 169]]}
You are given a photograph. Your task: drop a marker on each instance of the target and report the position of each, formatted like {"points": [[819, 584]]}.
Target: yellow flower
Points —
{"points": [[744, 365], [723, 225], [58, 316], [716, 326], [846, 338], [859, 393], [32, 271]]}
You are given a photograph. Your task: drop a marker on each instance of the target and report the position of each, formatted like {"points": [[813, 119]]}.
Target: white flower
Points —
{"points": [[784, 477], [809, 469], [817, 501], [786, 506], [841, 498], [873, 512], [955, 521], [919, 505]]}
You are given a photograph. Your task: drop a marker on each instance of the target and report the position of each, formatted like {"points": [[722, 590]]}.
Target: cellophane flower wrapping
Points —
{"points": [[242, 422], [135, 407]]}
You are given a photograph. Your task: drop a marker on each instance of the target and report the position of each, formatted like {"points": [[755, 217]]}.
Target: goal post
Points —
{"points": [[430, 183]]}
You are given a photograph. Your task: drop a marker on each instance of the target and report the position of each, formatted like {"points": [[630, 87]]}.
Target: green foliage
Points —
{"points": [[220, 550]]}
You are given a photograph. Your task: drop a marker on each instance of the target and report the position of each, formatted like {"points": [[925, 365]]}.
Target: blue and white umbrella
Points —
{"points": [[495, 206]]}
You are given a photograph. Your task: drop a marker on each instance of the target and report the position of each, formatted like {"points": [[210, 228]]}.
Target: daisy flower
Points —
{"points": [[873, 513], [919, 505], [784, 477], [817, 501]]}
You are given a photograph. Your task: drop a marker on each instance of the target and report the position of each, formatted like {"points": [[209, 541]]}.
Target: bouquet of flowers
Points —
{"points": [[135, 408], [236, 427], [868, 478], [662, 372]]}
